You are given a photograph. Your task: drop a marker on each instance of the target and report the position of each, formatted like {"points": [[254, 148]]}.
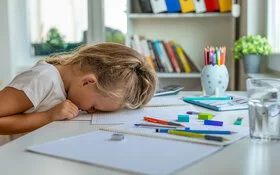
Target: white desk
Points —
{"points": [[242, 157]]}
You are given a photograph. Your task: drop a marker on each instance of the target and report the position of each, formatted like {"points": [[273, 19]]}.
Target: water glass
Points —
{"points": [[264, 108]]}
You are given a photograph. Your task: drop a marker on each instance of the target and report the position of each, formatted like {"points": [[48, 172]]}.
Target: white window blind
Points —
{"points": [[273, 27]]}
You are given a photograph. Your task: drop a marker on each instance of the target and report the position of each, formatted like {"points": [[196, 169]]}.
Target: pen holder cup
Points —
{"points": [[214, 79]]}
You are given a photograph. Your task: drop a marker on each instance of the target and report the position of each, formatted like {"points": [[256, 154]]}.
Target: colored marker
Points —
{"points": [[238, 121], [198, 131], [208, 98], [195, 135], [163, 122], [213, 122], [192, 112]]}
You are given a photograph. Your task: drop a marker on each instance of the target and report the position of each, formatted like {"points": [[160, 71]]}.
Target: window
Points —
{"points": [[273, 27], [115, 20], [57, 25]]}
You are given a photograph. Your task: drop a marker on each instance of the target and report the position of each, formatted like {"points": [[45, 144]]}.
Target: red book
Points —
{"points": [[212, 5], [172, 57]]}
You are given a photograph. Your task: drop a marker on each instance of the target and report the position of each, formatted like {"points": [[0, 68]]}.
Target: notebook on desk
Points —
{"points": [[236, 103]]}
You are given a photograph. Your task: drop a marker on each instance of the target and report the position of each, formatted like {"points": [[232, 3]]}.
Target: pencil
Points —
{"points": [[195, 135], [163, 122], [153, 126], [197, 131]]}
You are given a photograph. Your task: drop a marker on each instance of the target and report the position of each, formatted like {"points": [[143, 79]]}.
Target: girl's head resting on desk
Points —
{"points": [[106, 77]]}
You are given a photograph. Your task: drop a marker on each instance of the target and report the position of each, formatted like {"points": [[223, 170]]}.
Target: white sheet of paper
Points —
{"points": [[126, 115], [83, 117], [166, 101], [134, 153]]}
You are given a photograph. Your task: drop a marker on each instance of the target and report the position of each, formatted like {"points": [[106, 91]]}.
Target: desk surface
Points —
{"points": [[242, 157]]}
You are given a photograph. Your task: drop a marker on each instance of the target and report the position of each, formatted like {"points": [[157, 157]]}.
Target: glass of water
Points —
{"points": [[264, 109]]}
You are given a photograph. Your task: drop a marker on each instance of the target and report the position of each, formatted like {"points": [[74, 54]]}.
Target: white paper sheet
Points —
{"points": [[134, 153], [166, 101], [126, 115]]}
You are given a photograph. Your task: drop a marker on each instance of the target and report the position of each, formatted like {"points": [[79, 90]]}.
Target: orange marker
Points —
{"points": [[163, 122]]}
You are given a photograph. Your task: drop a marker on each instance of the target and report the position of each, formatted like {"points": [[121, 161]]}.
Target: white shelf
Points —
{"points": [[177, 15], [178, 75]]}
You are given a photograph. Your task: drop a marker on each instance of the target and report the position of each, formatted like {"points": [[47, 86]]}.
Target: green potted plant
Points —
{"points": [[251, 48]]}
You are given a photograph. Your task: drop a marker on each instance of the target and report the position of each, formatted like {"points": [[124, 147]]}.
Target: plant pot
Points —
{"points": [[252, 63]]}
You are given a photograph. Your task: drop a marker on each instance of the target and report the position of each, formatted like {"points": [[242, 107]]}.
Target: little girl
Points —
{"points": [[102, 77]]}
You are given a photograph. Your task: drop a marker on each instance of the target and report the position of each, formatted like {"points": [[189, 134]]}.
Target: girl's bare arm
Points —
{"points": [[14, 102]]}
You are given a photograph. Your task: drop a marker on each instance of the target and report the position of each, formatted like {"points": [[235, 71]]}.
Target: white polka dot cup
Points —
{"points": [[214, 79]]}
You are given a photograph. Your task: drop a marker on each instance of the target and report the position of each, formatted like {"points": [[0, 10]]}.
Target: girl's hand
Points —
{"points": [[64, 110]]}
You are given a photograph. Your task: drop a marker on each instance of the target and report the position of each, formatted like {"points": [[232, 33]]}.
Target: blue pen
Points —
{"points": [[164, 130], [208, 98]]}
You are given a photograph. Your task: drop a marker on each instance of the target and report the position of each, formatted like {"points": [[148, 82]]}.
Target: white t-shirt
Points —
{"points": [[43, 86]]}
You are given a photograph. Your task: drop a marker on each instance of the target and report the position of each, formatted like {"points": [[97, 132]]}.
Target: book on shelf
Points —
{"points": [[172, 57], [211, 5], [225, 5], [159, 64], [158, 6], [199, 6], [145, 6], [173, 6], [150, 46], [177, 57], [182, 57], [147, 54], [166, 57], [161, 56], [193, 65], [187, 6]]}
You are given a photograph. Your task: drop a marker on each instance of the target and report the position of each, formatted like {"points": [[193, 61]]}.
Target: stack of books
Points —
{"points": [[164, 56]]}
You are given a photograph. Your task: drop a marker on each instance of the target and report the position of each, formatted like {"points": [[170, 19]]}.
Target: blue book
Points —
{"points": [[236, 103], [173, 6]]}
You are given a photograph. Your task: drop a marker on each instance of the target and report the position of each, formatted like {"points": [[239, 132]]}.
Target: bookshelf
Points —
{"points": [[193, 31]]}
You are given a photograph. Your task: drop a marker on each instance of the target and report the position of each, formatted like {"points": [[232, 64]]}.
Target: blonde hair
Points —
{"points": [[120, 71]]}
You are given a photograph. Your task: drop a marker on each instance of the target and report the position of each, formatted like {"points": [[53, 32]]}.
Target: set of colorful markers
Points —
{"points": [[214, 55]]}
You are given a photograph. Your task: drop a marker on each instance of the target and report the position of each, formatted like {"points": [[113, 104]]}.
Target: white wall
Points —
{"points": [[6, 70], [256, 17], [274, 63]]}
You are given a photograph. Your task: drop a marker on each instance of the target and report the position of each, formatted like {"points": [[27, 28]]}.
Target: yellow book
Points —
{"points": [[187, 6], [183, 58], [225, 5]]}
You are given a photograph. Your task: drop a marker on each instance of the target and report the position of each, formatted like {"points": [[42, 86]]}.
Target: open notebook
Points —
{"points": [[157, 156], [236, 103]]}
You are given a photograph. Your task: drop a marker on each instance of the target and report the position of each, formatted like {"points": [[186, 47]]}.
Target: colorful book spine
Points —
{"points": [[182, 57], [187, 6], [172, 57], [147, 54], [173, 6]]}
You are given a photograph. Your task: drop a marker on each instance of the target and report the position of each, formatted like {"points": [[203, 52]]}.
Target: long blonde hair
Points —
{"points": [[121, 72]]}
